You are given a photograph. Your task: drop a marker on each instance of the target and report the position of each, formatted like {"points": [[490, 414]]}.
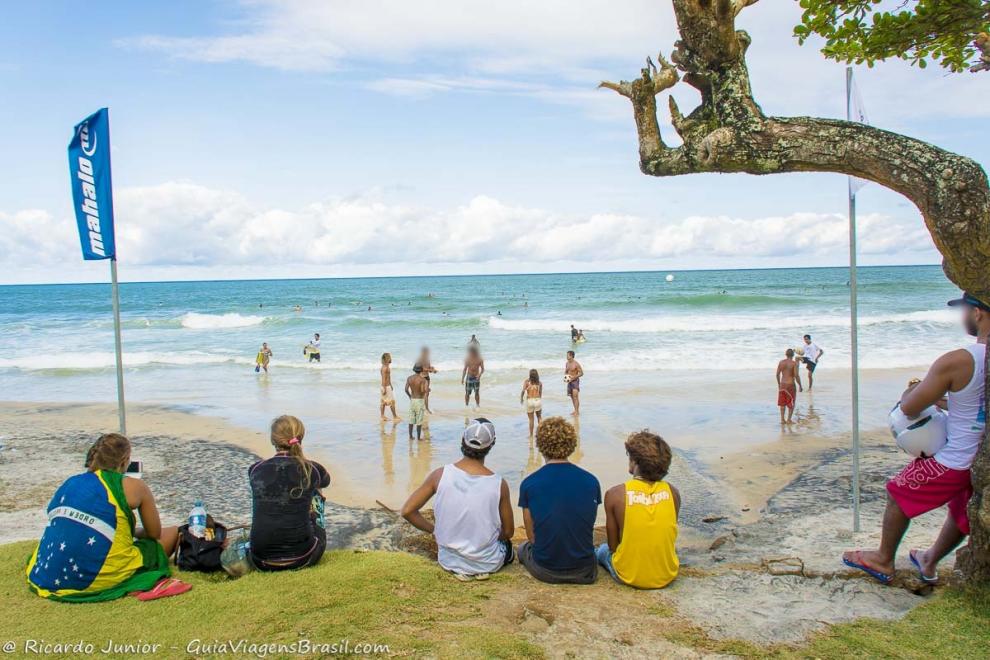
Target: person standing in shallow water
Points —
{"points": [[532, 397], [417, 387], [474, 369], [788, 382], [572, 376], [387, 398], [812, 354]]}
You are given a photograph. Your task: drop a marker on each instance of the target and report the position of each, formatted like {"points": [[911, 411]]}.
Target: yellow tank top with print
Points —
{"points": [[646, 556]]}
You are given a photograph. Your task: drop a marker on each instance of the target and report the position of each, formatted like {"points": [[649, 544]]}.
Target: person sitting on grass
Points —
{"points": [[641, 518], [287, 528], [559, 504], [91, 549], [473, 510]]}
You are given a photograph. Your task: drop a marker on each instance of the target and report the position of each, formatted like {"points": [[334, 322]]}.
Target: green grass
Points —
{"points": [[409, 604], [955, 623], [396, 599]]}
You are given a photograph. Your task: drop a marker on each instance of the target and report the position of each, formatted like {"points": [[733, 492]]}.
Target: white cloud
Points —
{"points": [[513, 35], [555, 50], [193, 230]]}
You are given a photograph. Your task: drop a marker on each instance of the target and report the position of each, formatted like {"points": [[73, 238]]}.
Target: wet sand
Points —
{"points": [[731, 454]]}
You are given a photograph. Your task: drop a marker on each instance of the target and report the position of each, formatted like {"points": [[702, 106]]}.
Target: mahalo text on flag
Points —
{"points": [[92, 196]]}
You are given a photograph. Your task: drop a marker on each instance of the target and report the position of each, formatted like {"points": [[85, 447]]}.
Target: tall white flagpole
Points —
{"points": [[121, 415], [853, 325]]}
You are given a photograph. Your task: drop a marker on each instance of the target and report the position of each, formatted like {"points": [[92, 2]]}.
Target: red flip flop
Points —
{"points": [[165, 588]]}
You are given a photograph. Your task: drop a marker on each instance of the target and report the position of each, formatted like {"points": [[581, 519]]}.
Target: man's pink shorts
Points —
{"points": [[925, 485]]}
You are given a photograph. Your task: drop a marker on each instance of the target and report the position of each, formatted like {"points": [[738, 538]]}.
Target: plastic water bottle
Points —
{"points": [[197, 519]]}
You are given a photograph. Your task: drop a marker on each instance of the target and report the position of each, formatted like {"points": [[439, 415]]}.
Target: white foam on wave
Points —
{"points": [[715, 323], [104, 360], [670, 358], [197, 321]]}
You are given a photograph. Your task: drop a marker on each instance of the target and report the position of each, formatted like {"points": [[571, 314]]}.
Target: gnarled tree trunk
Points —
{"points": [[728, 132]]}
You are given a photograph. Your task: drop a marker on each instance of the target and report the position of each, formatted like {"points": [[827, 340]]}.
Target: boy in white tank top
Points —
{"points": [[473, 511], [928, 483]]}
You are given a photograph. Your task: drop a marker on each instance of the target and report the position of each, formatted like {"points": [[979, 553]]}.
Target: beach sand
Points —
{"points": [[731, 453]]}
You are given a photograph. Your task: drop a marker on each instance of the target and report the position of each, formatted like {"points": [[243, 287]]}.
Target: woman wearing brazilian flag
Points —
{"points": [[91, 549]]}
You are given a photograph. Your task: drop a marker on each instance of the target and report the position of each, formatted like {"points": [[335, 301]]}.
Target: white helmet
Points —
{"points": [[924, 435]]}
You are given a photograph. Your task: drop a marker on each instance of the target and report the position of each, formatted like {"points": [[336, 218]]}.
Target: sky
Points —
{"points": [[321, 138]]}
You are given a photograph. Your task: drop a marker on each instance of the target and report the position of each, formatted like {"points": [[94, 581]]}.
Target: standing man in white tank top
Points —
{"points": [[473, 511], [928, 483]]}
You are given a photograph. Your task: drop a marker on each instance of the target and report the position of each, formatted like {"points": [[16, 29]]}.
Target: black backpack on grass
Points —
{"points": [[193, 553]]}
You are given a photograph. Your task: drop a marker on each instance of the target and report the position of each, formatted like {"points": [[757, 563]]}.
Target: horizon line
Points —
{"points": [[455, 275]]}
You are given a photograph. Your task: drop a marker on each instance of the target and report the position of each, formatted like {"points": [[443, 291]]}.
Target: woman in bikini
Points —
{"points": [[532, 396]]}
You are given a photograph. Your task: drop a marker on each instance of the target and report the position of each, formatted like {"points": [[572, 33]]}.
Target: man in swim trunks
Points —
{"points": [[788, 375], [572, 375], [387, 396], [314, 348], [417, 389], [264, 357], [812, 354], [928, 483], [428, 369], [474, 368]]}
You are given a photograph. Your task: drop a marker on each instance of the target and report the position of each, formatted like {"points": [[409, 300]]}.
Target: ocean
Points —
{"points": [[658, 352]]}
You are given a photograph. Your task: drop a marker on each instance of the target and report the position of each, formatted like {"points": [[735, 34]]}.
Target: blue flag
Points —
{"points": [[92, 195]]}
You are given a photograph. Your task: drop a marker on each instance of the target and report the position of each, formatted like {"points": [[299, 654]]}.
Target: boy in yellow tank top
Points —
{"points": [[641, 518]]}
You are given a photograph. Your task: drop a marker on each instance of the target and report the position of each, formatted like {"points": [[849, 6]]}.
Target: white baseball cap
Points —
{"points": [[479, 434]]}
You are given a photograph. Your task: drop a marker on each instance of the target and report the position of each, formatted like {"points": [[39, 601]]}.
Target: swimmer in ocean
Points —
{"points": [[264, 357]]}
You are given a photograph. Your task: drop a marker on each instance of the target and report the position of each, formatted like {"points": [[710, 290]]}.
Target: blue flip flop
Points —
{"points": [[882, 578], [921, 574]]}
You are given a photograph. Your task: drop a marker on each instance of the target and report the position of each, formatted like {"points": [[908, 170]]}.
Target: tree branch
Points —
{"points": [[728, 132]]}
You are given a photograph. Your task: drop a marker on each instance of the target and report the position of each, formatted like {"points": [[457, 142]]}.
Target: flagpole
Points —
{"points": [[853, 325], [122, 417]]}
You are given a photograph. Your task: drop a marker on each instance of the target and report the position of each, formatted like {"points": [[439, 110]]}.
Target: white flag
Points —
{"points": [[855, 111]]}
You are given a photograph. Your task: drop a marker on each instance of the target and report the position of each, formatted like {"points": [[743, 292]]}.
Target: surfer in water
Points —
{"points": [[575, 333], [313, 348], [788, 383], [264, 357]]}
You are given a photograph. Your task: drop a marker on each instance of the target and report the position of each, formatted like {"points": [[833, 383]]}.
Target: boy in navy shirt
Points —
{"points": [[559, 504]]}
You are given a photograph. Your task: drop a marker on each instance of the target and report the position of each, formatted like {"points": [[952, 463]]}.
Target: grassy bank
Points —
{"points": [[408, 604], [382, 598]]}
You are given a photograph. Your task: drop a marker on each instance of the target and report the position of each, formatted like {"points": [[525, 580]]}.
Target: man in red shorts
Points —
{"points": [[927, 483]]}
